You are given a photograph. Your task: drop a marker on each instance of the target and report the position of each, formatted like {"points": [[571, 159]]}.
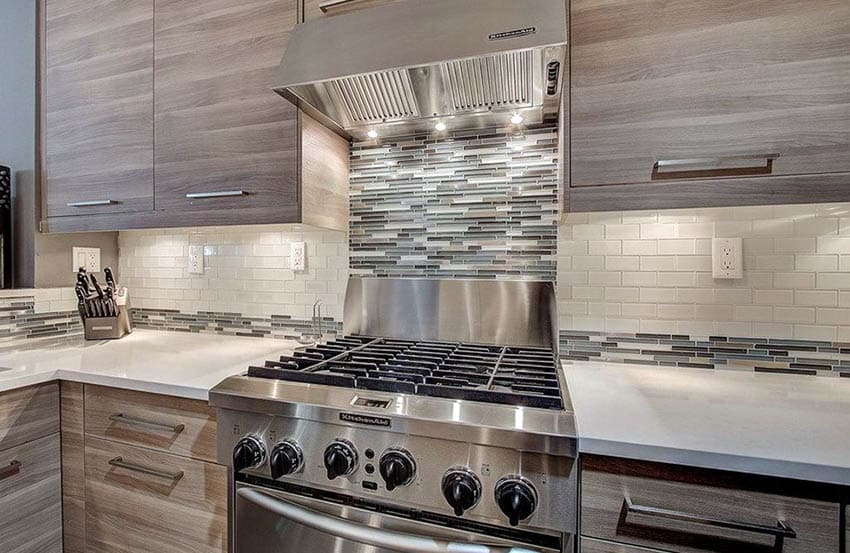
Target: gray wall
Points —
{"points": [[41, 260]]}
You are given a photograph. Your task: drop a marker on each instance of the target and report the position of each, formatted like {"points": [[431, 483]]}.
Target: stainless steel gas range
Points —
{"points": [[439, 423]]}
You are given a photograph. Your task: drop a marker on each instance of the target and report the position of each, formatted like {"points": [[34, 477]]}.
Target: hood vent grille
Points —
{"points": [[500, 81], [377, 97]]}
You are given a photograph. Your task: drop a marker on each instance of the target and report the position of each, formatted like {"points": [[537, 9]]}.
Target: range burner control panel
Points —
{"points": [[489, 484]]}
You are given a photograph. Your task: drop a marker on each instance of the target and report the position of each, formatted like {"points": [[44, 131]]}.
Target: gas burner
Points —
{"points": [[510, 375]]}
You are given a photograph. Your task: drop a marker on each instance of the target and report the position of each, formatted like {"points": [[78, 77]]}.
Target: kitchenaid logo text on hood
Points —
{"points": [[364, 419], [513, 34]]}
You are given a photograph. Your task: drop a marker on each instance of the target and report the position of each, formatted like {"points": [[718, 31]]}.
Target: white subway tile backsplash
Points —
{"points": [[656, 270]]}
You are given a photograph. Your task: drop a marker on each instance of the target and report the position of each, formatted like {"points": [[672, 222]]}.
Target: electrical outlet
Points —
{"points": [[85, 257], [727, 258], [196, 260], [299, 256]]}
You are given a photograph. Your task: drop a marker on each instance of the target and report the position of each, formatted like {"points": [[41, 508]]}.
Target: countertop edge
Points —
{"points": [[134, 384], [795, 470]]}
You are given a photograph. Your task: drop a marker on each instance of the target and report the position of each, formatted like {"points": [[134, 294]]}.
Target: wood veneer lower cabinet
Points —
{"points": [[687, 510], [28, 413], [144, 501], [31, 497]]}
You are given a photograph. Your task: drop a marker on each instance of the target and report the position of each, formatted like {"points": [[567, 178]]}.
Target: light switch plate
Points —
{"points": [[727, 258], [196, 260], [85, 257], [299, 256]]}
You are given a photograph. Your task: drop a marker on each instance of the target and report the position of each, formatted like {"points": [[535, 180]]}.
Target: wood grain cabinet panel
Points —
{"points": [[220, 129], [175, 425], [755, 91], [143, 501], [28, 413], [31, 497], [589, 545], [684, 510], [97, 106]]}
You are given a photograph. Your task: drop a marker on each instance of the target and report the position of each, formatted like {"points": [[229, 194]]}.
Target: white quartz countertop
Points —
{"points": [[777, 425], [171, 363]]}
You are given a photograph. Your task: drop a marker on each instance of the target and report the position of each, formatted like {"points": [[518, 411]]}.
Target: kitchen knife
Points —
{"points": [[83, 281], [110, 278]]}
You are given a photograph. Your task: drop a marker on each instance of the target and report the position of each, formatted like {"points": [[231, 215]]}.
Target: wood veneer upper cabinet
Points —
{"points": [[219, 126], [97, 106], [659, 80]]}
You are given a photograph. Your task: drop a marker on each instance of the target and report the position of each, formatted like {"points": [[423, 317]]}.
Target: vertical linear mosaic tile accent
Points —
{"points": [[19, 321], [477, 204], [772, 355]]}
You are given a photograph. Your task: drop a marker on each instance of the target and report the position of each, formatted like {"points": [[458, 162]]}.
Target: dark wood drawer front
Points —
{"points": [[28, 413], [143, 501], [224, 139], [31, 497], [686, 511], [98, 113], [180, 426], [724, 85]]}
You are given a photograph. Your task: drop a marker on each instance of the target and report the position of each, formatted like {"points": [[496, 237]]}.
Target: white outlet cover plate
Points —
{"points": [[196, 260], [727, 258], [299, 256], [85, 257]]}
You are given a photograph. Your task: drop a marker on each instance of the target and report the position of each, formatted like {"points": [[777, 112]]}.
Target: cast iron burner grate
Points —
{"points": [[508, 375]]}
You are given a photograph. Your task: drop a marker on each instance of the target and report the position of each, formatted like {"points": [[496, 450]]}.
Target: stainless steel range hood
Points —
{"points": [[407, 66]]}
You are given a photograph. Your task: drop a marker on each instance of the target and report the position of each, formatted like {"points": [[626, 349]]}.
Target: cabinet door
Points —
{"points": [[31, 497], [98, 106], [688, 89], [224, 139]]}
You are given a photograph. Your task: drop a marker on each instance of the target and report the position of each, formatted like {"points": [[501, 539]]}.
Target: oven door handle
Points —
{"points": [[385, 539]]}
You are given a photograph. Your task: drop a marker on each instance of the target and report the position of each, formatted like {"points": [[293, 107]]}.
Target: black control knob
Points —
{"points": [[249, 453], [516, 497], [340, 459], [286, 458], [462, 489], [397, 468]]}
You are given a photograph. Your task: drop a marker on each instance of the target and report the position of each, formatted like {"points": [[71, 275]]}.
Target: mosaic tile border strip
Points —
{"points": [[473, 204], [769, 355], [19, 321], [231, 324]]}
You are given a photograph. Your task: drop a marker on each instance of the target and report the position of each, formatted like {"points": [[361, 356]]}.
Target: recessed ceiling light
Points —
{"points": [[372, 134], [517, 119], [440, 126]]}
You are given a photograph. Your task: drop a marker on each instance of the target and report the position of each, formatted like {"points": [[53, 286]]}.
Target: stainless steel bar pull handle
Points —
{"points": [[10, 470], [224, 194], [121, 463], [121, 418], [331, 4], [376, 537], [92, 203], [742, 165], [781, 530]]}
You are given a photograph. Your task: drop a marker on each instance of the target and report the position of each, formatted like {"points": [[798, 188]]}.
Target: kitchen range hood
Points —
{"points": [[418, 65]]}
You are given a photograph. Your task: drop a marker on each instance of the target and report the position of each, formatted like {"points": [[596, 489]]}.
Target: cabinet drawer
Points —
{"points": [[31, 497], [175, 425], [687, 510], [28, 413], [140, 501]]}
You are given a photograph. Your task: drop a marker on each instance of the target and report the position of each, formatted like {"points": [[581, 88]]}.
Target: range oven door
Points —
{"points": [[272, 521]]}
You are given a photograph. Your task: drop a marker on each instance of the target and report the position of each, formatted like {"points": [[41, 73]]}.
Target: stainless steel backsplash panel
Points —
{"points": [[508, 313]]}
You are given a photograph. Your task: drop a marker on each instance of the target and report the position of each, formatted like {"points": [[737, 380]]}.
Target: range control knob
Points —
{"points": [[516, 497], [249, 453], [286, 458], [397, 468], [340, 458], [462, 489]]}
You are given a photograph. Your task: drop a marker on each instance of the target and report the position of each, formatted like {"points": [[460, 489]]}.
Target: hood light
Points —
{"points": [[440, 126], [517, 119], [372, 134]]}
